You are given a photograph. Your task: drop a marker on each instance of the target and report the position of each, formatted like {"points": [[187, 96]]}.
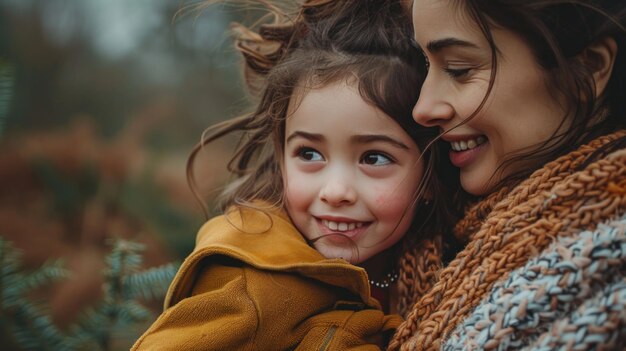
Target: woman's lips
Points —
{"points": [[463, 158], [464, 149]]}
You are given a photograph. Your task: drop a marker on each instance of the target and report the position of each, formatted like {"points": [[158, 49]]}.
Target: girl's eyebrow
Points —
{"points": [[440, 44], [360, 139], [371, 138], [305, 135]]}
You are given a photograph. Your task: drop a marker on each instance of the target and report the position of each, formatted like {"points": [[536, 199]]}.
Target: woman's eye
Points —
{"points": [[457, 73], [376, 159], [308, 154]]}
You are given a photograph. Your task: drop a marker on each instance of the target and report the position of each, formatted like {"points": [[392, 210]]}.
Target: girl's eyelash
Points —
{"points": [[391, 159], [300, 152]]}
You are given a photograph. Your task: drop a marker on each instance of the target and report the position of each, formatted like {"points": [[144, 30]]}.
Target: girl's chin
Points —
{"points": [[344, 253]]}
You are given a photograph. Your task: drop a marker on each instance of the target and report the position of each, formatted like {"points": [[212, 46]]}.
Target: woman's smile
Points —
{"points": [[464, 149], [519, 115]]}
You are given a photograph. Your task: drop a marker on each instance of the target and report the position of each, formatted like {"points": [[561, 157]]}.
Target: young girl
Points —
{"points": [[329, 173], [530, 97]]}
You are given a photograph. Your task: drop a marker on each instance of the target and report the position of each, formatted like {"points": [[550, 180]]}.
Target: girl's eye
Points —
{"points": [[376, 159], [457, 73], [308, 154]]}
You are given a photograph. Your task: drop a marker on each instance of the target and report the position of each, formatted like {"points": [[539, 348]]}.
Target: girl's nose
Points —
{"points": [[432, 109], [338, 192]]}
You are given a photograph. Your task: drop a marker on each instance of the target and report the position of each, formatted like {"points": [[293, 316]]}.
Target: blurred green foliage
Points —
{"points": [[113, 324], [100, 105], [7, 76]]}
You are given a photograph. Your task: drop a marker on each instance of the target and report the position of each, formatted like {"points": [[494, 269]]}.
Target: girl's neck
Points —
{"points": [[379, 266]]}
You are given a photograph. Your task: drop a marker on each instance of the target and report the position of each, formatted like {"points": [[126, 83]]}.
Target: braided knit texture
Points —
{"points": [[511, 226], [419, 268], [561, 300]]}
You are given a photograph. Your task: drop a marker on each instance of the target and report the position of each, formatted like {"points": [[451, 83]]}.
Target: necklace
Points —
{"points": [[390, 278]]}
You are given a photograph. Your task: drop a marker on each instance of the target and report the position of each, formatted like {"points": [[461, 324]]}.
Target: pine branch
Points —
{"points": [[124, 284], [151, 284], [28, 325], [51, 271]]}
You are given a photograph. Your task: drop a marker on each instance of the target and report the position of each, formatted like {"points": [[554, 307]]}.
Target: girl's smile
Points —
{"points": [[347, 227], [350, 173]]}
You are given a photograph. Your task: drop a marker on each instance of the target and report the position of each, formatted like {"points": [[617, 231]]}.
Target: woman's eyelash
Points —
{"points": [[457, 73]]}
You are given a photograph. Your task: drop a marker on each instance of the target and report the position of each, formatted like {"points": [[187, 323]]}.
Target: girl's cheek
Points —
{"points": [[389, 205], [296, 194]]}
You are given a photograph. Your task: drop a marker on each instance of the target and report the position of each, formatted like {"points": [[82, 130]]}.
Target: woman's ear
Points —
{"points": [[600, 58]]}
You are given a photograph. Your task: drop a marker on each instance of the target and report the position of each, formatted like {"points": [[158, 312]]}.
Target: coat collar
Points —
{"points": [[266, 239]]}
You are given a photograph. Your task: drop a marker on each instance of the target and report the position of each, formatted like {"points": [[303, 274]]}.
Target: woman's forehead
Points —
{"points": [[440, 19]]}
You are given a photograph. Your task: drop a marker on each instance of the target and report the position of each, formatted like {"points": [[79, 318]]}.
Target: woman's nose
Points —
{"points": [[338, 191], [432, 109]]}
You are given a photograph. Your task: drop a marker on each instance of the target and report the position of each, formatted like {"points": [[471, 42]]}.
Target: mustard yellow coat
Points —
{"points": [[253, 283]]}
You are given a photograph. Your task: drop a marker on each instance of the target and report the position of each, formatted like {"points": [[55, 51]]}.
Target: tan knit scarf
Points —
{"points": [[509, 227]]}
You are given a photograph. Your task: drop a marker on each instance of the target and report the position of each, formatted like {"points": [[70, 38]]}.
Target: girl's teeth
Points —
{"points": [[467, 144], [341, 226]]}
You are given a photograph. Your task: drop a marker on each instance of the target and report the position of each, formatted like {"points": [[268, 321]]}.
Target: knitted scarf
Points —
{"points": [[570, 297], [509, 227]]}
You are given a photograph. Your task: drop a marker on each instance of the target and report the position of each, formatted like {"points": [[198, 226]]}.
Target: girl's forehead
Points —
{"points": [[307, 86]]}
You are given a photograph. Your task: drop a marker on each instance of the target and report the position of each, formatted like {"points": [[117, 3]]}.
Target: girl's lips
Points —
{"points": [[354, 230], [463, 158]]}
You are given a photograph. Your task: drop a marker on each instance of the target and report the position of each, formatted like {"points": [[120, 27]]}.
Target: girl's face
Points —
{"points": [[520, 114], [350, 174]]}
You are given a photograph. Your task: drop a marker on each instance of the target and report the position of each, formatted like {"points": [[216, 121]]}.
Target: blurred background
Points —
{"points": [[101, 102]]}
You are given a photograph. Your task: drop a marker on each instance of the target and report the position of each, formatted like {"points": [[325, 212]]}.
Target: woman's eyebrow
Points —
{"points": [[440, 44], [371, 138]]}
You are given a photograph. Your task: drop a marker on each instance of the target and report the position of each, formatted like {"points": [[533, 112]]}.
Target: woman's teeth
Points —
{"points": [[467, 144], [341, 226]]}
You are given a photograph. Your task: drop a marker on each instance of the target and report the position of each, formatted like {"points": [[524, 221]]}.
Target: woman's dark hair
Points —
{"points": [[558, 31]]}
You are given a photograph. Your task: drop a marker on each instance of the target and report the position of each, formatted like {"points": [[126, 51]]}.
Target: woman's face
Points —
{"points": [[521, 113]]}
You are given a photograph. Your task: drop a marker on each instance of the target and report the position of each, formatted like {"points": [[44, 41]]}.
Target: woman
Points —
{"points": [[529, 98]]}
